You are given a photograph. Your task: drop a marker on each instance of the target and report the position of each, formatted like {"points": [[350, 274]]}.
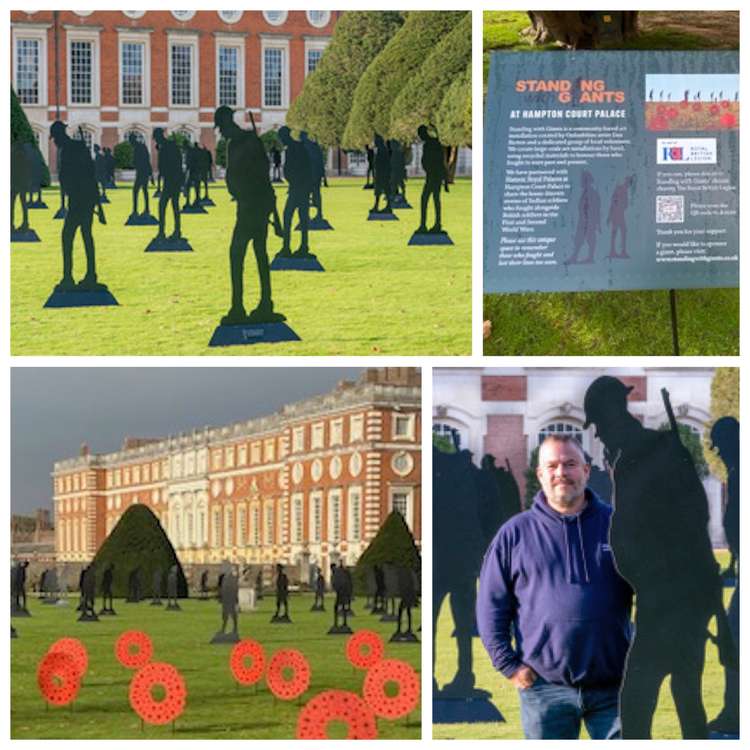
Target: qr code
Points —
{"points": [[670, 209]]}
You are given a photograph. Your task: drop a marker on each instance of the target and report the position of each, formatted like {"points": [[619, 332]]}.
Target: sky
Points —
{"points": [[55, 409]]}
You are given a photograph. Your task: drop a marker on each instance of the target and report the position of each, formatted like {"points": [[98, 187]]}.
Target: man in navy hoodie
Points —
{"points": [[553, 613]]}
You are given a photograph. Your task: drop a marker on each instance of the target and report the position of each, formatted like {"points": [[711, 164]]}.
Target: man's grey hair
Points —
{"points": [[567, 439]]}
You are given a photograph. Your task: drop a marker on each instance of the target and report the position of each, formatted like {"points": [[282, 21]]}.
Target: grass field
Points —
{"points": [[377, 296], [505, 697], [215, 708], [616, 323]]}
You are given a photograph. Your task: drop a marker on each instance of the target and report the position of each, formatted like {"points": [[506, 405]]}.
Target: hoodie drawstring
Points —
{"points": [[583, 551]]}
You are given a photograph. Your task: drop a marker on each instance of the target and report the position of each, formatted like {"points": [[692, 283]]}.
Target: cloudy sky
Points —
{"points": [[54, 410]]}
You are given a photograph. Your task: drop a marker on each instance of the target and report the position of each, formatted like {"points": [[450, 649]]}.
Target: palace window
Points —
{"points": [[229, 75], [319, 18], [402, 501], [298, 439], [274, 78], [403, 426], [337, 432], [256, 525], [132, 68], [316, 516], [275, 17], [81, 71], [297, 510], [28, 70], [313, 55], [355, 514], [356, 428], [317, 435], [181, 72], [334, 516], [269, 538]]}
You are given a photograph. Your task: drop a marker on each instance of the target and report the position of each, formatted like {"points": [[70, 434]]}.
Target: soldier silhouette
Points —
{"points": [[36, 163], [143, 172], [725, 437], [170, 170], [661, 546], [19, 586], [134, 585], [379, 603], [398, 174], [60, 213], [230, 599], [382, 171], [298, 172], [101, 172], [20, 185], [107, 600], [282, 593], [320, 589], [616, 217], [193, 161], [156, 588], [342, 585], [370, 153], [172, 588], [276, 161], [206, 163], [110, 165], [78, 180], [408, 600], [204, 584], [89, 594], [436, 176], [318, 169], [589, 219], [248, 182]]}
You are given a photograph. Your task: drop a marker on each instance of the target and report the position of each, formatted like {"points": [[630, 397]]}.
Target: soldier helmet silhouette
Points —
{"points": [[132, 138], [57, 130], [725, 433], [158, 133], [285, 135], [605, 396], [223, 115]]}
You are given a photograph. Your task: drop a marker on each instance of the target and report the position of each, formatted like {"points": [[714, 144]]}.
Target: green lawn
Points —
{"points": [[378, 296], [505, 697], [215, 708], [616, 323]]}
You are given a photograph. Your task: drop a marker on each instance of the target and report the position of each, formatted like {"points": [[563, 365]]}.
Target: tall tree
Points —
{"points": [[323, 106], [421, 98], [453, 117], [22, 132], [725, 402], [391, 70]]}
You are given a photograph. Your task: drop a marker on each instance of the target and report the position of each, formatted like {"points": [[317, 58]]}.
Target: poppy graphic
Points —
{"points": [[339, 706], [364, 649], [57, 677], [697, 106], [164, 678], [714, 109], [76, 650], [672, 113], [389, 672], [134, 649], [658, 123], [288, 674], [728, 120], [247, 661]]}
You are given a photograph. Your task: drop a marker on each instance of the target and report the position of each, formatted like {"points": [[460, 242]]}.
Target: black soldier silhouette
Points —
{"points": [[78, 180], [193, 179], [204, 585], [62, 211], [143, 173], [407, 591], [390, 576], [107, 600], [101, 172], [88, 591], [81, 576], [110, 164], [378, 601], [589, 220], [20, 187], [370, 153], [276, 163], [318, 168], [320, 590], [436, 179], [206, 166], [36, 163], [282, 596], [134, 586], [398, 175], [229, 593], [661, 547], [172, 603], [469, 506], [156, 588], [18, 587], [725, 438], [248, 182], [298, 172], [616, 219], [259, 586], [382, 182], [170, 171], [159, 176], [341, 582]]}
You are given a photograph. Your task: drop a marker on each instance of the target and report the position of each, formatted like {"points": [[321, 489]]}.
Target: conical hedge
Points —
{"points": [[22, 132], [394, 543], [138, 541]]}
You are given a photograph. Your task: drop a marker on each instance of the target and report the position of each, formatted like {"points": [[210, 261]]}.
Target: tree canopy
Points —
{"points": [[423, 95], [22, 132], [391, 70], [322, 108], [453, 117]]}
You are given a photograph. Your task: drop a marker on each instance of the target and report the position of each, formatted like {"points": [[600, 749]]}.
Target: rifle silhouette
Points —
{"points": [[275, 221]]}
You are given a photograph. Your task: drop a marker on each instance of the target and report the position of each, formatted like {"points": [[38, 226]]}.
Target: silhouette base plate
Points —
{"points": [[167, 245], [61, 213], [316, 225], [206, 202], [103, 198], [296, 263], [722, 736], [141, 220], [225, 638], [252, 333], [471, 708], [20, 612], [317, 608], [193, 209], [382, 216], [37, 204], [107, 613], [88, 618], [29, 235], [404, 638], [389, 618], [430, 238], [156, 603], [340, 630], [281, 620], [81, 298], [174, 607], [400, 202]]}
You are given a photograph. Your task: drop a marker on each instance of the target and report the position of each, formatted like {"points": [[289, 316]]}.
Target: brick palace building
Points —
{"points": [[133, 70], [308, 485]]}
